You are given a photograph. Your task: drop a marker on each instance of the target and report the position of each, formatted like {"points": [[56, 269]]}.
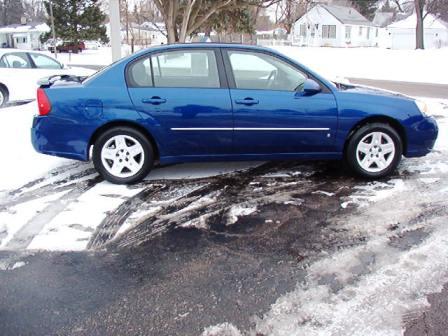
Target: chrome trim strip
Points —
{"points": [[247, 129], [202, 129], [280, 129]]}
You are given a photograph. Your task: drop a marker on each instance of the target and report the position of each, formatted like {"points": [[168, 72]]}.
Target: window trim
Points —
{"points": [[231, 78], [219, 65]]}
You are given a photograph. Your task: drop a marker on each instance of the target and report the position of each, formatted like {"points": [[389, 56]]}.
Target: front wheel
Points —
{"points": [[123, 155], [374, 150]]}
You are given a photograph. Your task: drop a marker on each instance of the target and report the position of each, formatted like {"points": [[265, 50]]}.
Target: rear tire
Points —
{"points": [[4, 96], [374, 150], [123, 155]]}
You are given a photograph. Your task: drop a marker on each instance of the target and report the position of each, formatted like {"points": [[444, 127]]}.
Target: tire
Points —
{"points": [[374, 150], [123, 155], [4, 96]]}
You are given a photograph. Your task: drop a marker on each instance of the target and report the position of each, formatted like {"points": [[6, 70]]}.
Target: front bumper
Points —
{"points": [[422, 137]]}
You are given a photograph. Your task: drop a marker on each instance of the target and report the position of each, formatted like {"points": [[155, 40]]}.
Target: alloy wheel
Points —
{"points": [[375, 152], [122, 156]]}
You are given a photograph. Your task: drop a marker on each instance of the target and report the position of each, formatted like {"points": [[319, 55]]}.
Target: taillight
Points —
{"points": [[43, 102]]}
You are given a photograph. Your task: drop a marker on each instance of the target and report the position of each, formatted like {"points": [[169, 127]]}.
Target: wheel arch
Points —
{"points": [[395, 124], [125, 123]]}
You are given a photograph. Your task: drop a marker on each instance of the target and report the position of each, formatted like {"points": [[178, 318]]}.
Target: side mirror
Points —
{"points": [[311, 87]]}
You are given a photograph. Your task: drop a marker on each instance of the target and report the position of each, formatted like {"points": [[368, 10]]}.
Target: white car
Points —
{"points": [[92, 45], [20, 70]]}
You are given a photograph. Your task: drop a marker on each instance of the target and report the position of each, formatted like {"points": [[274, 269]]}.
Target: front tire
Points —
{"points": [[123, 155], [374, 150]]}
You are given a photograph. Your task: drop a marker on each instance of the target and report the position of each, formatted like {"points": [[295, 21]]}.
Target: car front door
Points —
{"points": [[272, 114], [16, 72], [183, 95]]}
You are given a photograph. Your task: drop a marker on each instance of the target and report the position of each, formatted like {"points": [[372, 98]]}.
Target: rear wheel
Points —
{"points": [[374, 150], [123, 155], [4, 96]]}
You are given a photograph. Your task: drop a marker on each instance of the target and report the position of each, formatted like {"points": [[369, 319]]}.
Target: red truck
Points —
{"points": [[69, 47]]}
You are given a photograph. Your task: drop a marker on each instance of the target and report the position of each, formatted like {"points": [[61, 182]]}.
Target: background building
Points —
{"points": [[334, 26], [401, 34], [23, 36]]}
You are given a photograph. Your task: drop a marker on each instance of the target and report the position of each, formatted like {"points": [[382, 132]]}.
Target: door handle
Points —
{"points": [[153, 101], [247, 101]]}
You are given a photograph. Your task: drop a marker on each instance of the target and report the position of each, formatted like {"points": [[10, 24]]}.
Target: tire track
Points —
{"points": [[208, 206], [18, 196], [33, 227]]}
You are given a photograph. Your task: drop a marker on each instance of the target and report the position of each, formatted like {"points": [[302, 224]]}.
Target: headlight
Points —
{"points": [[423, 107]]}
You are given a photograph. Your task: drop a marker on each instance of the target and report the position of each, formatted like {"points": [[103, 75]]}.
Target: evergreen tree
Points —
{"points": [[366, 7], [76, 20]]}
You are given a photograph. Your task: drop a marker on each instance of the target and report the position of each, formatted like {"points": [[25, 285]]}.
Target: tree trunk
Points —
{"points": [[419, 33]]}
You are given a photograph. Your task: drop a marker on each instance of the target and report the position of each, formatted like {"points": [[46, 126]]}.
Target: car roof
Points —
{"points": [[12, 50], [203, 45]]}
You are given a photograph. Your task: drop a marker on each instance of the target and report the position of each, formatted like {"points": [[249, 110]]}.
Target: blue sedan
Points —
{"points": [[222, 102]]}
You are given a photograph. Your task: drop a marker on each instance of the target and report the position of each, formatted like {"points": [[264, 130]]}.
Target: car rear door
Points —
{"points": [[271, 113], [183, 96]]}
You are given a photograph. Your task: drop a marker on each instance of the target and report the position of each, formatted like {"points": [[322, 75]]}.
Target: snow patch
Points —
{"points": [[239, 210], [224, 329]]}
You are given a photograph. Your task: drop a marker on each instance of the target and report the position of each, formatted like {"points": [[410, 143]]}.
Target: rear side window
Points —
{"points": [[186, 69], [140, 73]]}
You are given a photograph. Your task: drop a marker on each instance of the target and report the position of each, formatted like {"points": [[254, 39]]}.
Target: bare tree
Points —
{"points": [[438, 8], [11, 11], [289, 11], [184, 17], [34, 10]]}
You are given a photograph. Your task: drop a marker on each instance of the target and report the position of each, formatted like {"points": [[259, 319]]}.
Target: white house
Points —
{"points": [[334, 26], [402, 34], [147, 33], [23, 36], [155, 31]]}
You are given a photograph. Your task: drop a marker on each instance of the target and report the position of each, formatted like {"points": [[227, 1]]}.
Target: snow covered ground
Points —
{"points": [[427, 66], [21, 163]]}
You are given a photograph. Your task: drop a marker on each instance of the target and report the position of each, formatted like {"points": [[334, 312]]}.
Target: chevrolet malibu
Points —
{"points": [[222, 102]]}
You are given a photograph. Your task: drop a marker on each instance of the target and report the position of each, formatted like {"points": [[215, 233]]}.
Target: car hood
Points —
{"points": [[350, 88]]}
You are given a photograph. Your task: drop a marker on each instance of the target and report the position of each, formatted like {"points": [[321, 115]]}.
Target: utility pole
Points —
{"points": [[53, 30], [115, 29]]}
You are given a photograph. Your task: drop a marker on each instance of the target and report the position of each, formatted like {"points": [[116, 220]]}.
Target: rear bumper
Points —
{"points": [[422, 137], [56, 137]]}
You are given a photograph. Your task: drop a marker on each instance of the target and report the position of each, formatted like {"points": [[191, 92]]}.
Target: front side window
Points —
{"points": [[259, 71], [15, 60], [44, 62]]}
